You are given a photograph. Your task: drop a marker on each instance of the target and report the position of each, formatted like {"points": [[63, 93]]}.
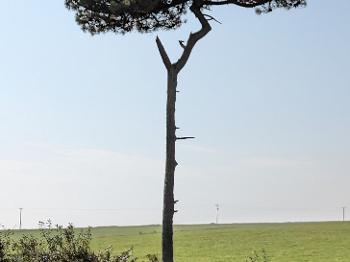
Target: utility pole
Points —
{"points": [[20, 218], [217, 213], [343, 213]]}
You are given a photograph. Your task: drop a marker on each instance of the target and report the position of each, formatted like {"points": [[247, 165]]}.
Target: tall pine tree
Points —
{"points": [[121, 16]]}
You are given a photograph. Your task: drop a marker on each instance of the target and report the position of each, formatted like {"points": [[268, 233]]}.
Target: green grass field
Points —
{"points": [[288, 242]]}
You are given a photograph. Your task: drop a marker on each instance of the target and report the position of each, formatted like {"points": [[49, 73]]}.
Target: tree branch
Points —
{"points": [[246, 4], [212, 18], [193, 38], [163, 54], [185, 137]]}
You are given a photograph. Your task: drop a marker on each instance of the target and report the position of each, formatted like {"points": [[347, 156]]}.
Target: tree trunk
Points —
{"points": [[170, 165]]}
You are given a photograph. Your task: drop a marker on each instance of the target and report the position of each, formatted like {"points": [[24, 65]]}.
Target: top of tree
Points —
{"points": [[121, 16]]}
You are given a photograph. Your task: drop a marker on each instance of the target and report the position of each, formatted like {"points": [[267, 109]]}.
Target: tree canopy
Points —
{"points": [[121, 16]]}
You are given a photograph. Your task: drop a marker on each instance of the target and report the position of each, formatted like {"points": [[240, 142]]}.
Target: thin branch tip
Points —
{"points": [[185, 137], [212, 18], [163, 53]]}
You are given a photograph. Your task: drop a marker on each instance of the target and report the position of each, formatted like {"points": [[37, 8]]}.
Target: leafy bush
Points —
{"points": [[57, 245]]}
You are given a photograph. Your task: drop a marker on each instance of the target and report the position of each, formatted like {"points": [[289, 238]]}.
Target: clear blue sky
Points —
{"points": [[82, 118]]}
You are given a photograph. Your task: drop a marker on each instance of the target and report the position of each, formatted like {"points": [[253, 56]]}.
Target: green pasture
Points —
{"points": [[287, 242]]}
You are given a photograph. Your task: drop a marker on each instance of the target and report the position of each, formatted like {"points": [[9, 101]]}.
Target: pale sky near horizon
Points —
{"points": [[83, 118]]}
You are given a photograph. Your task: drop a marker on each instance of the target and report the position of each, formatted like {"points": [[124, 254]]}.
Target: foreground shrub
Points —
{"points": [[57, 245]]}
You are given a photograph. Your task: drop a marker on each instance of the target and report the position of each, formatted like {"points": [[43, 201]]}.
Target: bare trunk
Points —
{"points": [[170, 165]]}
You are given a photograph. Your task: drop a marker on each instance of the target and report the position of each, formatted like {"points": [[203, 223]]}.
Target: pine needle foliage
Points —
{"points": [[121, 16]]}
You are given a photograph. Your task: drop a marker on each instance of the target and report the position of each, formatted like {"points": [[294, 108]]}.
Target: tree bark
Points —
{"points": [[170, 165]]}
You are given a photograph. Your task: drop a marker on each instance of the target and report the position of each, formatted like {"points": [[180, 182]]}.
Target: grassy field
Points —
{"points": [[289, 242]]}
